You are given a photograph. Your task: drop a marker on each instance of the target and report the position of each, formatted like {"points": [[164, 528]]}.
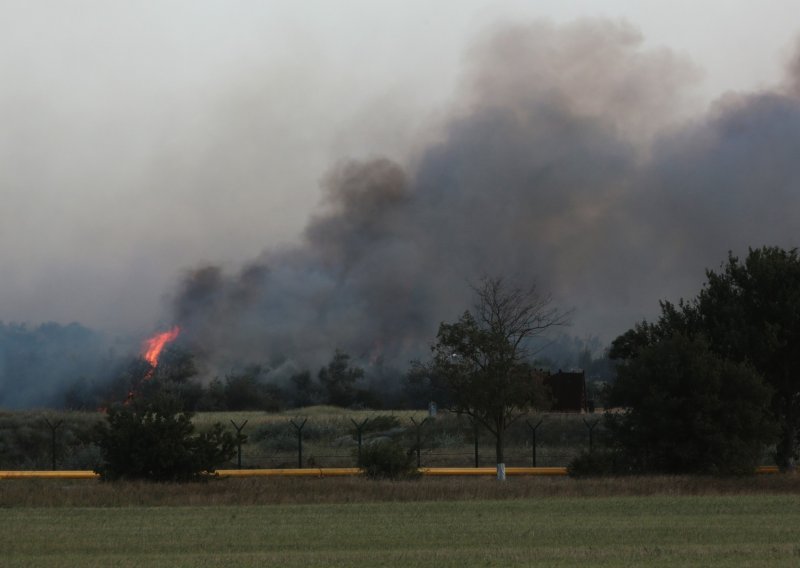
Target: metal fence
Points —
{"points": [[30, 441]]}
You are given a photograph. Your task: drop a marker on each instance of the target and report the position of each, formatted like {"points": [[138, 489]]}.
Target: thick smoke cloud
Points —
{"points": [[568, 159]]}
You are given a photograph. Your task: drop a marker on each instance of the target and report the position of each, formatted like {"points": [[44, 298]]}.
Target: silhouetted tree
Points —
{"points": [[688, 410], [306, 391], [483, 358], [339, 379], [173, 377], [247, 391], [213, 396], [748, 312]]}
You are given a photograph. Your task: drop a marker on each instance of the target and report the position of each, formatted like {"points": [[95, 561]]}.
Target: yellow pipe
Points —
{"points": [[331, 472], [310, 472], [472, 471], [48, 475]]}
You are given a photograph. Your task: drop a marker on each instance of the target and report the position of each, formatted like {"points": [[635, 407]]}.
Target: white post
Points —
{"points": [[501, 472]]}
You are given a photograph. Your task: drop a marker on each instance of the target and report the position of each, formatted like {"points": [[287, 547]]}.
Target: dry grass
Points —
{"points": [[271, 491], [320, 413], [447, 441]]}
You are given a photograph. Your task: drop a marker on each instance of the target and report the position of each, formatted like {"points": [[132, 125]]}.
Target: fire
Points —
{"points": [[152, 347]]}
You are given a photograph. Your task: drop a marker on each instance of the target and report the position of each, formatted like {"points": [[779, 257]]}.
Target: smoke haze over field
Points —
{"points": [[179, 186], [565, 162]]}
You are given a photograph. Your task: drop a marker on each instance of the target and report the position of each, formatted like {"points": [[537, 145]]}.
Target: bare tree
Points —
{"points": [[483, 359]]}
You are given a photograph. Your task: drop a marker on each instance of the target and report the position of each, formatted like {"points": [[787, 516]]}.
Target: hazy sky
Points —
{"points": [[140, 139]]}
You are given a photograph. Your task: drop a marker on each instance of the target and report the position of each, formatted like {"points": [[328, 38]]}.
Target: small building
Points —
{"points": [[568, 390]]}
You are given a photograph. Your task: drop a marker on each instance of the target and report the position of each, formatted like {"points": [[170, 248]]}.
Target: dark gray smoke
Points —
{"points": [[568, 159]]}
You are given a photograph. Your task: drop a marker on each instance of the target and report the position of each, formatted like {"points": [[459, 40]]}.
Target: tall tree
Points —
{"points": [[748, 312], [339, 379], [305, 391], [688, 410], [483, 359]]}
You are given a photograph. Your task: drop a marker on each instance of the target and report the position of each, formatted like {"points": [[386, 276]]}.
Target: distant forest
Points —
{"points": [[73, 367]]}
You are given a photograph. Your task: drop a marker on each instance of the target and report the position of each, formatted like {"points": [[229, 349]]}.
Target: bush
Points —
{"points": [[687, 410], [386, 459], [153, 440]]}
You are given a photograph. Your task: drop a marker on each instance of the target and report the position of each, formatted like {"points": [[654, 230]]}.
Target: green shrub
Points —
{"points": [[154, 440], [386, 459]]}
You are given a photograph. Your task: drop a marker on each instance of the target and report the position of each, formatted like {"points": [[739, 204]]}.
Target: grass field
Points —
{"points": [[654, 521], [603, 531]]}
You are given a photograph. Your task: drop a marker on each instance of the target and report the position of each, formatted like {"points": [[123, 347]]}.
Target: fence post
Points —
{"points": [[591, 431], [475, 432], [299, 429], [419, 441], [533, 440], [359, 429], [239, 442], [53, 428]]}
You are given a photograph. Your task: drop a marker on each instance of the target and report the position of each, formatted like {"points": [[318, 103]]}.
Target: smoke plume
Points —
{"points": [[568, 159]]}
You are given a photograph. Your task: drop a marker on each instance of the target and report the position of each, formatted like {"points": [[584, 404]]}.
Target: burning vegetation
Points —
{"points": [[154, 345]]}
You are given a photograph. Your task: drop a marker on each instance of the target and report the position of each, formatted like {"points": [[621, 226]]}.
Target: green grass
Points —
{"points": [[603, 531], [36, 493]]}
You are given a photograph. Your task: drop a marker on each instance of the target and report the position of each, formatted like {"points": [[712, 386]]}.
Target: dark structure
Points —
{"points": [[569, 391]]}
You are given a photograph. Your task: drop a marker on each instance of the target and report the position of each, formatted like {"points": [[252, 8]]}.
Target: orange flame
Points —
{"points": [[152, 347]]}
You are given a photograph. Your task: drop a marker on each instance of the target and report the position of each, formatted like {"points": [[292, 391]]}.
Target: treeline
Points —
{"points": [[713, 383], [37, 362], [73, 367], [339, 383]]}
